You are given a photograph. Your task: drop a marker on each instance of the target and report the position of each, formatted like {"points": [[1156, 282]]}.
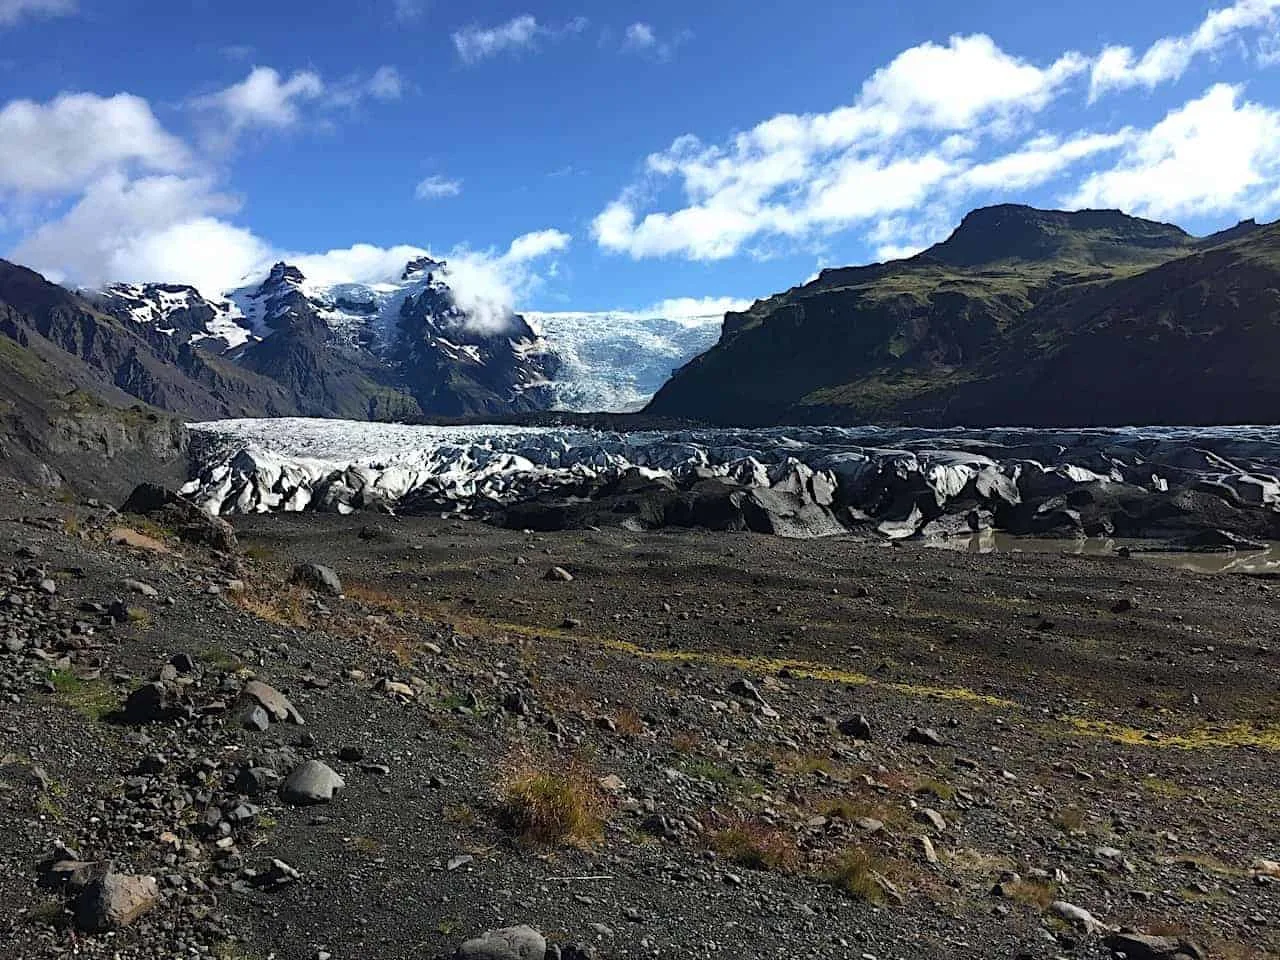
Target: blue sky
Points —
{"points": [[617, 156]]}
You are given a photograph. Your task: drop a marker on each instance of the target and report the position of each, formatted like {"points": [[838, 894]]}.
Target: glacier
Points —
{"points": [[897, 482], [614, 362]]}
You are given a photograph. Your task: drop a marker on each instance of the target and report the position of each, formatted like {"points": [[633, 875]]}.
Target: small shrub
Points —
{"points": [[628, 723], [283, 608], [858, 873], [1033, 893], [551, 808], [1070, 819], [685, 741], [756, 846], [936, 788]]}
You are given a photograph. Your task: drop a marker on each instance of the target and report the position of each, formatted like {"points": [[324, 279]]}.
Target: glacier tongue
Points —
{"points": [[615, 362], [903, 482]]}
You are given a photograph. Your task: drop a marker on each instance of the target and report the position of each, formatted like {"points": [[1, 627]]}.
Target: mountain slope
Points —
{"points": [[1021, 317]]}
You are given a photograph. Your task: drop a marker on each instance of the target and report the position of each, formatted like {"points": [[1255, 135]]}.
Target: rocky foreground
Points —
{"points": [[325, 737]]}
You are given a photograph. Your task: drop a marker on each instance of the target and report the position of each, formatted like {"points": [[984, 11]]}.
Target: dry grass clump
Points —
{"points": [[935, 788], [757, 846], [861, 874], [685, 741], [552, 807], [629, 723], [285, 608], [1033, 893]]}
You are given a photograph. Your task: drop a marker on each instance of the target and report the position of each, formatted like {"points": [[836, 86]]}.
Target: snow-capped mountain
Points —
{"points": [[616, 361], [404, 348]]}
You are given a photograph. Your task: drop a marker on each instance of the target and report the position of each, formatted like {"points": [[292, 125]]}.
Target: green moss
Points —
{"points": [[93, 698]]}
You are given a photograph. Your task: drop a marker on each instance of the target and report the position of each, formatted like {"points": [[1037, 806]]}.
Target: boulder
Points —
{"points": [[510, 943], [317, 577], [857, 726], [1138, 946], [114, 901], [311, 782], [182, 516], [277, 705], [153, 703]]}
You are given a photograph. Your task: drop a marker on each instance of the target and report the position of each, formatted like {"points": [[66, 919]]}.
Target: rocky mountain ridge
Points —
{"points": [[1022, 317]]}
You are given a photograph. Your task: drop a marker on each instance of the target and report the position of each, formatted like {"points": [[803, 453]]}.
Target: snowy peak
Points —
{"points": [[174, 310], [420, 267]]}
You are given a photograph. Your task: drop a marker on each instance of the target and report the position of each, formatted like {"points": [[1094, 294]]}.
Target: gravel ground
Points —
{"points": [[694, 711]]}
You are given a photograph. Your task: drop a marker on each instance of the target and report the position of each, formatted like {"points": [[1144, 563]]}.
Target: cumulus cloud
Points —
{"points": [[75, 138], [11, 11], [639, 36], [642, 38], [153, 228], [1214, 154], [486, 284], [437, 186], [264, 98], [1040, 160], [1118, 67], [476, 43], [797, 175]]}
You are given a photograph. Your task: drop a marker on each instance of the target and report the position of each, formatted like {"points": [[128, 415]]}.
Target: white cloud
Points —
{"points": [[642, 38], [532, 246], [161, 227], [11, 11], [409, 11], [75, 138], [639, 36], [264, 99], [798, 175], [1039, 161], [385, 84], [690, 309], [437, 186], [952, 87], [1118, 67], [475, 43], [1215, 154]]}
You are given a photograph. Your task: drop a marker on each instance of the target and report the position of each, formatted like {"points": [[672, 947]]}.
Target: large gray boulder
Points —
{"points": [[276, 704], [114, 901], [510, 943], [317, 577], [311, 782]]}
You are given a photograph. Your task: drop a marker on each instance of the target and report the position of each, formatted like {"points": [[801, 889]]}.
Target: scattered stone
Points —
{"points": [[1137, 946], [858, 727], [114, 901], [1078, 917], [559, 574], [926, 850], [272, 700], [137, 586], [509, 943], [317, 577], [311, 782], [152, 703], [932, 817], [925, 737], [612, 784]]}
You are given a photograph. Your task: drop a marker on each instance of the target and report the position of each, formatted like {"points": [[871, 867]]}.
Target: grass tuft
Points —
{"points": [[756, 846], [552, 807], [858, 872]]}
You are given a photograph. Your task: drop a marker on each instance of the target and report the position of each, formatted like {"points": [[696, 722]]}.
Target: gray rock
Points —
{"points": [[151, 703], [560, 574], [272, 700], [311, 782], [925, 736], [137, 586], [114, 901], [318, 577], [857, 726], [509, 943], [1078, 917], [1137, 946], [253, 716]]}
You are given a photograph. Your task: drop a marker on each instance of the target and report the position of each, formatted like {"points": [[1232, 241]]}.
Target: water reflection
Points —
{"points": [[989, 541]]}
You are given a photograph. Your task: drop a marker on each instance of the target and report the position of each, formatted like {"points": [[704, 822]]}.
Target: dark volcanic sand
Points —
{"points": [[1154, 732]]}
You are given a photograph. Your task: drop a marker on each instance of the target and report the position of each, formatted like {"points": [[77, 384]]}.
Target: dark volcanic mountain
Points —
{"points": [[1021, 317]]}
